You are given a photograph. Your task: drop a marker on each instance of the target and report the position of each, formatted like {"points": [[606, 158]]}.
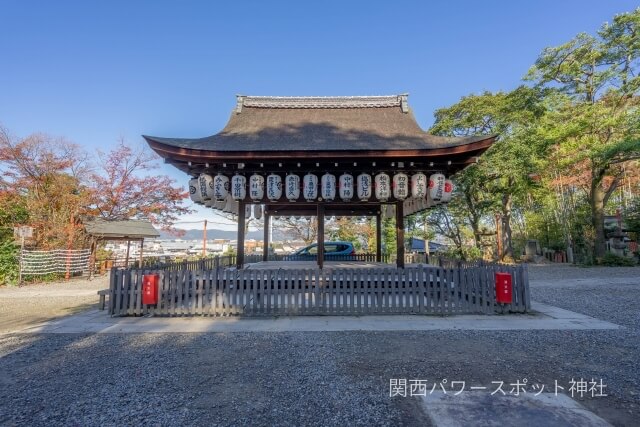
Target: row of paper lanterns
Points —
{"points": [[218, 187], [233, 207], [410, 206]]}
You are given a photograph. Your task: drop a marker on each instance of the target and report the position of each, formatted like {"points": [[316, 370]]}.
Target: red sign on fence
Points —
{"points": [[504, 288], [150, 288]]}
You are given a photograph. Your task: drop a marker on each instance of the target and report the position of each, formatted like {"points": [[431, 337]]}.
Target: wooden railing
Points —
{"points": [[228, 292], [199, 264], [228, 260]]}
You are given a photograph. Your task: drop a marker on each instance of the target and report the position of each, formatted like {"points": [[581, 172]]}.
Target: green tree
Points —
{"points": [[595, 123], [502, 174], [13, 212]]}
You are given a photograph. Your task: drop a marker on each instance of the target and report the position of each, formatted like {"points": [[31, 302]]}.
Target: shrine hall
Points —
{"points": [[321, 156]]}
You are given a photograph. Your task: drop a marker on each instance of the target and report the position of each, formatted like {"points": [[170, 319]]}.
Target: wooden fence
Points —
{"points": [[357, 291]]}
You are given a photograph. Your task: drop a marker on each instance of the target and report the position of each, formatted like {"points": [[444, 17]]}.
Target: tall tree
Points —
{"points": [[596, 122]]}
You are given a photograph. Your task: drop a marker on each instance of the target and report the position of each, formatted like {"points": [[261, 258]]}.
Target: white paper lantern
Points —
{"points": [[328, 186], [238, 187], [247, 211], [256, 187], [274, 187], [220, 187], [436, 186], [209, 203], [194, 190], [204, 186], [346, 186], [292, 187], [383, 187], [364, 186], [219, 205], [447, 192], [400, 186], [257, 211], [419, 185], [310, 187]]}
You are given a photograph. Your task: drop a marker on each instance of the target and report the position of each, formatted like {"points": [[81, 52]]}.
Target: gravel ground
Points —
{"points": [[320, 378], [22, 306]]}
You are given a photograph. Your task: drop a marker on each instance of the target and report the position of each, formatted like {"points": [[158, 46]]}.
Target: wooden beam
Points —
{"points": [[141, 246], [320, 212], [379, 237], [399, 235], [241, 221]]}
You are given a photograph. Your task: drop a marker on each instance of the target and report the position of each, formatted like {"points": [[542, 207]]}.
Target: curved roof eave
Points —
{"points": [[459, 146]]}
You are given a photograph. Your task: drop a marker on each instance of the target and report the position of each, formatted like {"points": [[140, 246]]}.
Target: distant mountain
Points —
{"points": [[213, 233]]}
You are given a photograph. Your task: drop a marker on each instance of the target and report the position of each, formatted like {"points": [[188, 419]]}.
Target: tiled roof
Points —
{"points": [[319, 124], [320, 101]]}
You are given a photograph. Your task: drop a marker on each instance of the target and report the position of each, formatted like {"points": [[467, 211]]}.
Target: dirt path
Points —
{"points": [[32, 304]]}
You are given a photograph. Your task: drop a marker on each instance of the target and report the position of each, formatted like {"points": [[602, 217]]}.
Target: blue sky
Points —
{"points": [[95, 71]]}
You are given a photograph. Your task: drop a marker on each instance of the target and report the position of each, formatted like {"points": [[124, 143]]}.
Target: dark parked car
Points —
{"points": [[337, 250]]}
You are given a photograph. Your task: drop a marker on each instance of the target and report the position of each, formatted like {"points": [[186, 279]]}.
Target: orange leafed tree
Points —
{"points": [[123, 188], [47, 174]]}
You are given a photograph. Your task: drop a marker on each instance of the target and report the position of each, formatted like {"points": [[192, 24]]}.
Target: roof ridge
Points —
{"points": [[371, 101]]}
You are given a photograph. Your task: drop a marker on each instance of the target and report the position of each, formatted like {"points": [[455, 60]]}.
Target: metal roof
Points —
{"points": [[125, 229]]}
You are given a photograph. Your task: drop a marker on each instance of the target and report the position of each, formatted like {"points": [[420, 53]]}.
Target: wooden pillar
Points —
{"points": [[399, 235], [320, 235], [241, 221], [141, 246], [92, 257], [265, 242], [379, 236], [126, 259]]}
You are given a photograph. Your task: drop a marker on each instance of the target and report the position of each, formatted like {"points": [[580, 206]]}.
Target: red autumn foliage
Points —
{"points": [[121, 191], [52, 180]]}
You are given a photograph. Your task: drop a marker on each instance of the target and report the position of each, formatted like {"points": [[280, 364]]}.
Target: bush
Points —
{"points": [[613, 260], [9, 267]]}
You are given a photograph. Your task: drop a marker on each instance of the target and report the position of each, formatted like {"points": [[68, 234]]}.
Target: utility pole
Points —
{"points": [[204, 240]]}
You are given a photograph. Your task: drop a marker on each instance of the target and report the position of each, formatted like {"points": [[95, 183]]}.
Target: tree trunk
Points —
{"points": [[597, 197], [474, 219], [507, 244]]}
